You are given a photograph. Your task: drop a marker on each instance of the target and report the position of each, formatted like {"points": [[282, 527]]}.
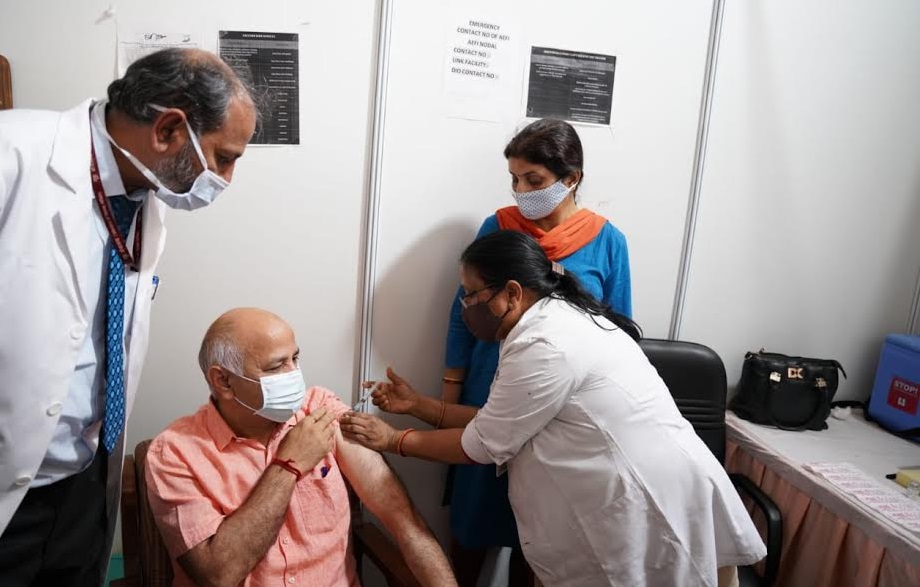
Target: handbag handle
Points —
{"points": [[823, 400], [833, 362]]}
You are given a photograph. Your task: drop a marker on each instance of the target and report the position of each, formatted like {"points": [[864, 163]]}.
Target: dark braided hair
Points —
{"points": [[504, 255]]}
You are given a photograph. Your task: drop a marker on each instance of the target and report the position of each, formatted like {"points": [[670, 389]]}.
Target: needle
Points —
{"points": [[365, 394]]}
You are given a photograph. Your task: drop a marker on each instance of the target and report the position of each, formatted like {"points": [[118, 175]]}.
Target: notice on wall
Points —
{"points": [[483, 71], [269, 61], [570, 85], [132, 45]]}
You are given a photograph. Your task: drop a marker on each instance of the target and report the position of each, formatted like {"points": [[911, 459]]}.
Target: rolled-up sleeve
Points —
{"points": [[533, 384], [184, 514]]}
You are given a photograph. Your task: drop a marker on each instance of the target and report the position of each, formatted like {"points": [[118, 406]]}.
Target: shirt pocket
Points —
{"points": [[322, 501]]}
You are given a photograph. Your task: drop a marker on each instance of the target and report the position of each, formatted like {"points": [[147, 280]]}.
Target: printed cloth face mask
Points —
{"points": [[480, 320], [206, 187], [539, 204], [282, 395]]}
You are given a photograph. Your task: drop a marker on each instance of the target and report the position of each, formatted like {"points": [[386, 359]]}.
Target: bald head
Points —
{"points": [[243, 336], [200, 58], [197, 82]]}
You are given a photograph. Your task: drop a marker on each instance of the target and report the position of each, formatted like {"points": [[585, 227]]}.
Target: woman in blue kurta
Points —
{"points": [[545, 160]]}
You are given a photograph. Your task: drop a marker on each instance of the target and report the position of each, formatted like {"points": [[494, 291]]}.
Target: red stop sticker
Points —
{"points": [[904, 395]]}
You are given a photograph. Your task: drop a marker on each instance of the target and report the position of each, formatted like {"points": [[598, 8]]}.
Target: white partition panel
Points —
{"points": [[807, 239]]}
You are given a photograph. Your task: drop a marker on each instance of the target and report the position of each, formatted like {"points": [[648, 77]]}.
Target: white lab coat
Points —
{"points": [[46, 215], [609, 484]]}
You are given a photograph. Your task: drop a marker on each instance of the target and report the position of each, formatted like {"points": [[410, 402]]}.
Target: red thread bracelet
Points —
{"points": [[288, 465]]}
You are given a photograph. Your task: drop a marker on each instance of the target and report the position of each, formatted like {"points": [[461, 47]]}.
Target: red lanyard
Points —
{"points": [[106, 210]]}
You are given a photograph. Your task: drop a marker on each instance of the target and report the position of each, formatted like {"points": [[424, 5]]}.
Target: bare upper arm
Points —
{"points": [[375, 483]]}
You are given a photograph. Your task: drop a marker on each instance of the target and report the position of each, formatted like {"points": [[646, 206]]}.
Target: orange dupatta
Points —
{"points": [[574, 233]]}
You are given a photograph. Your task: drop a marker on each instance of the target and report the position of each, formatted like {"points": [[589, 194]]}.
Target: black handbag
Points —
{"points": [[792, 393]]}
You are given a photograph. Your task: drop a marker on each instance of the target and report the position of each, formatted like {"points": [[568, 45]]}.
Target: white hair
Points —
{"points": [[220, 348]]}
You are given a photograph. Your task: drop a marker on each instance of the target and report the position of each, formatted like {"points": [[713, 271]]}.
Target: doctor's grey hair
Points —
{"points": [[196, 82], [220, 348]]}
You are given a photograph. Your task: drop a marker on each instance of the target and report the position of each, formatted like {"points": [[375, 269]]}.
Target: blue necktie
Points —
{"points": [[123, 210]]}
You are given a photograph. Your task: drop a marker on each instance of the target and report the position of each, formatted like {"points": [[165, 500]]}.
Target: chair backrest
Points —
{"points": [[695, 375], [147, 562]]}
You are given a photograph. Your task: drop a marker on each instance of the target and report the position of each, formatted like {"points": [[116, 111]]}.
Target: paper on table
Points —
{"points": [[889, 501]]}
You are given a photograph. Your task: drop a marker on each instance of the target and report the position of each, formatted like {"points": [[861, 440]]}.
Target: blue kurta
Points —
{"points": [[480, 514]]}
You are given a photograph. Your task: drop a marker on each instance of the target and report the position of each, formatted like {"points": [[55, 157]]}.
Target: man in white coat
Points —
{"points": [[83, 194]]}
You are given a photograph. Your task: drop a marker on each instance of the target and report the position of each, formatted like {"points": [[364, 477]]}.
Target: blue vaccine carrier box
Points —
{"points": [[895, 399]]}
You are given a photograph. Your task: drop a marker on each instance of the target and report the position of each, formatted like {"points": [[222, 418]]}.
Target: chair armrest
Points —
{"points": [[774, 521], [371, 541], [129, 523]]}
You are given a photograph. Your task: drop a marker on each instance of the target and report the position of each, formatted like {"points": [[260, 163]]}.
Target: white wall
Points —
{"points": [[807, 241]]}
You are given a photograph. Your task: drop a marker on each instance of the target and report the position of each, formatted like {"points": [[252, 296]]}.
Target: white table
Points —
{"points": [[830, 538]]}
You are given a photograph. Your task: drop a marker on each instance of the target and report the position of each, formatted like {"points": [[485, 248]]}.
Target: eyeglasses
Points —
{"points": [[465, 304]]}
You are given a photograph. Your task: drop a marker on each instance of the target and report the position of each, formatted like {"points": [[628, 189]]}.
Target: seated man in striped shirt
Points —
{"points": [[251, 488]]}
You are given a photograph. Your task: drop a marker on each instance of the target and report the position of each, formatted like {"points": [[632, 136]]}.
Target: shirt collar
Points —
{"points": [[527, 317], [217, 427], [223, 435], [105, 157]]}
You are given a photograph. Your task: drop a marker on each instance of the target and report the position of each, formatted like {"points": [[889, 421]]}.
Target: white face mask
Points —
{"points": [[282, 395], [541, 203], [206, 187]]}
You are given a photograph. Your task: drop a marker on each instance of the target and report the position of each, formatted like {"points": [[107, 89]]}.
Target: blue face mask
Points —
{"points": [[541, 203], [282, 395]]}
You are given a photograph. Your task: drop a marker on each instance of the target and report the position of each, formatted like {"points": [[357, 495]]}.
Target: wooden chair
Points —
{"points": [[6, 84], [147, 563]]}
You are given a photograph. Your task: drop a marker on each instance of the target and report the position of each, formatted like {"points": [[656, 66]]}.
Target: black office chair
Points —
{"points": [[695, 375]]}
